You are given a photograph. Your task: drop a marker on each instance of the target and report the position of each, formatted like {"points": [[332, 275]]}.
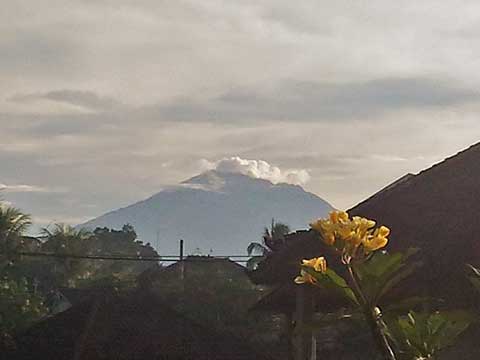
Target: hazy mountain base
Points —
{"points": [[215, 213]]}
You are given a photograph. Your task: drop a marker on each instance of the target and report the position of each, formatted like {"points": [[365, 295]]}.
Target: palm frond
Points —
{"points": [[258, 248]]}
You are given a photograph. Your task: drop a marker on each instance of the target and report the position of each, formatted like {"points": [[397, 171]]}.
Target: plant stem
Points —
{"points": [[377, 326]]}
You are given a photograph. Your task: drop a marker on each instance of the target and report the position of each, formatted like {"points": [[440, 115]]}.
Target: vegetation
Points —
{"points": [[215, 292], [273, 239], [29, 283], [366, 276], [20, 306], [13, 224], [356, 269], [423, 335]]}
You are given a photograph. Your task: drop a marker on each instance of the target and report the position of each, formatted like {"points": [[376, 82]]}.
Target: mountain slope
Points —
{"points": [[218, 212]]}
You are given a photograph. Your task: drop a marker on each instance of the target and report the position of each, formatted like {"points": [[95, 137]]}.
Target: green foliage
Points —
{"points": [[382, 272], [367, 282], [64, 270], [20, 305], [424, 335], [65, 240], [376, 277], [474, 276], [331, 281], [13, 223], [215, 292], [273, 239]]}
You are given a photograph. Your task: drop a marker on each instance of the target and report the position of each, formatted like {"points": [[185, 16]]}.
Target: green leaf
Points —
{"points": [[421, 334], [382, 272], [330, 280], [474, 276], [404, 305]]}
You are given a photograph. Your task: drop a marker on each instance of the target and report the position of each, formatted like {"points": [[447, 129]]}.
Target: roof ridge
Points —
{"points": [[449, 158], [392, 186]]}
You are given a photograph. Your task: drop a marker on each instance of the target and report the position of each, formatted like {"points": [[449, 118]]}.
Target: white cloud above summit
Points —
{"points": [[102, 106], [258, 169]]}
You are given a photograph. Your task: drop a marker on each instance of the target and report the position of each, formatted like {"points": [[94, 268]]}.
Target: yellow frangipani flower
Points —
{"points": [[343, 216], [363, 224], [356, 239], [378, 240], [333, 217], [326, 229], [348, 234], [316, 225], [329, 238], [305, 278], [338, 216], [345, 232], [382, 231], [375, 243], [318, 264]]}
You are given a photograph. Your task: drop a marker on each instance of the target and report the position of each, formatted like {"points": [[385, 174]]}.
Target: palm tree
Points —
{"points": [[273, 239], [13, 224], [66, 240]]}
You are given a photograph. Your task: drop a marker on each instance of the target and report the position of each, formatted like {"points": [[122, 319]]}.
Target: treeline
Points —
{"points": [[29, 284]]}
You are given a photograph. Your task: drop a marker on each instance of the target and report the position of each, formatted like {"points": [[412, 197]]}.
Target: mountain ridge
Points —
{"points": [[215, 212]]}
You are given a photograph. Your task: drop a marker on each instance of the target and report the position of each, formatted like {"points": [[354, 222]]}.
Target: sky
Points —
{"points": [[103, 103]]}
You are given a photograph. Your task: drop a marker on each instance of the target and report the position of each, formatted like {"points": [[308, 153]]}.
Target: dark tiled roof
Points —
{"points": [[282, 300], [284, 264], [134, 326], [435, 210], [190, 263]]}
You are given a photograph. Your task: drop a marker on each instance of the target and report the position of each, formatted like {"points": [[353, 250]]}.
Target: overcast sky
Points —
{"points": [[103, 103]]}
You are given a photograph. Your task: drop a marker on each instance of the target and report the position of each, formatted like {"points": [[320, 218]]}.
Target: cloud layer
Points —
{"points": [[258, 169], [84, 99], [21, 189], [100, 103], [301, 101]]}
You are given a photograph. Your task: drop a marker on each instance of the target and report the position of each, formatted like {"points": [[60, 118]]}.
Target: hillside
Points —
{"points": [[218, 213]]}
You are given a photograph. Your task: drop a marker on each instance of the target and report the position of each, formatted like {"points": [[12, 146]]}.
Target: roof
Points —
{"points": [[281, 301], [191, 264], [76, 296], [435, 210], [133, 326], [283, 265]]}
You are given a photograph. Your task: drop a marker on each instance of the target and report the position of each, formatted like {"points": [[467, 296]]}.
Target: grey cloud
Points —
{"points": [[37, 54], [316, 101], [86, 99], [24, 188]]}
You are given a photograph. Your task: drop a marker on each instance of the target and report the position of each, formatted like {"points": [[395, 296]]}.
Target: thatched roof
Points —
{"points": [[134, 326]]}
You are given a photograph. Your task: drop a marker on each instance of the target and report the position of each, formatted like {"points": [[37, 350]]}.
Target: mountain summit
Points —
{"points": [[215, 212]]}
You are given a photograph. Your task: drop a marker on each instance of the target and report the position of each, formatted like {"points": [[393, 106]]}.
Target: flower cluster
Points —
{"points": [[318, 264], [350, 235]]}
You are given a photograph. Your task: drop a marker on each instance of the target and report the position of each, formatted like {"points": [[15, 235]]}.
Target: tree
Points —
{"points": [[13, 224], [20, 306], [65, 240], [273, 239], [122, 242], [366, 277]]}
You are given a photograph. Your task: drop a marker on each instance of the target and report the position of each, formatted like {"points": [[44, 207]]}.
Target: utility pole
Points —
{"points": [[183, 297]]}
